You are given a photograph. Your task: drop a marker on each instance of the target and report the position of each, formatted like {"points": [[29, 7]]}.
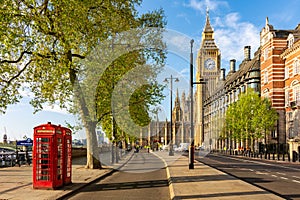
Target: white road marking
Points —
{"points": [[296, 181], [284, 178], [261, 172], [257, 162], [274, 175], [281, 173], [296, 177]]}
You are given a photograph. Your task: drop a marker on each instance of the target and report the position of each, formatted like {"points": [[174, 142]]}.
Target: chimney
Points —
{"points": [[223, 74], [247, 53], [232, 65]]}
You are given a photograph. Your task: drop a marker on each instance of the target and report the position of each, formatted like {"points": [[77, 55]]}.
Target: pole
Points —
{"points": [[192, 148], [171, 153]]}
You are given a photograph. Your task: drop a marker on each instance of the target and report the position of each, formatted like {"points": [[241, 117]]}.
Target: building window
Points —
{"points": [[296, 92], [291, 134], [243, 89], [286, 73], [287, 98], [296, 67], [266, 76], [290, 41], [254, 86], [274, 133], [289, 117], [266, 51], [237, 93]]}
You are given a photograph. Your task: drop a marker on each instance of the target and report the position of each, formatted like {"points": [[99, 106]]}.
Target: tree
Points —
{"points": [[43, 44], [249, 117]]}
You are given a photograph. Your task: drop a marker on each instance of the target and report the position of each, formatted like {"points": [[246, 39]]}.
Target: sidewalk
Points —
{"points": [[203, 182], [16, 182]]}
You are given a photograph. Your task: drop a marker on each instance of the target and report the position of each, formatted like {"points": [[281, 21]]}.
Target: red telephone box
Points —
{"points": [[67, 156], [48, 156]]}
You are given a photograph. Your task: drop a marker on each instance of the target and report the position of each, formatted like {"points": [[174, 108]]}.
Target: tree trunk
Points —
{"points": [[93, 157]]}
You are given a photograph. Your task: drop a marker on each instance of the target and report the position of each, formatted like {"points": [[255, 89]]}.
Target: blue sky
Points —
{"points": [[236, 23]]}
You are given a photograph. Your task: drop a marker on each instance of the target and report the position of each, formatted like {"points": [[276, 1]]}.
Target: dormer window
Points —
{"points": [[291, 40]]}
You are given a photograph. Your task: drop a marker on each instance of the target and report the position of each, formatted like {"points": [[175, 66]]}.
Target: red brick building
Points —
{"points": [[280, 76]]}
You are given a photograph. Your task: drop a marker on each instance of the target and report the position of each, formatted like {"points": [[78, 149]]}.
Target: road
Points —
{"points": [[143, 177], [281, 178]]}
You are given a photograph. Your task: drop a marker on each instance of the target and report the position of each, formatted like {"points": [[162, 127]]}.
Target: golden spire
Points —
{"points": [[207, 28]]}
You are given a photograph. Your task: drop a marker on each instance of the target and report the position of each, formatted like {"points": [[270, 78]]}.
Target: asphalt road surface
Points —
{"points": [[143, 177], [281, 178]]}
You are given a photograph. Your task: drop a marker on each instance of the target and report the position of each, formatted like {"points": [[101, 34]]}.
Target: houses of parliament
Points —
{"points": [[273, 72]]}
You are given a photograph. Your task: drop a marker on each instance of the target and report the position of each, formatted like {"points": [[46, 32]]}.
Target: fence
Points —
{"points": [[267, 151]]}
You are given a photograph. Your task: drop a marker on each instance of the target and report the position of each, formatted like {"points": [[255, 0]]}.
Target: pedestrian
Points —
{"points": [[27, 157], [17, 158]]}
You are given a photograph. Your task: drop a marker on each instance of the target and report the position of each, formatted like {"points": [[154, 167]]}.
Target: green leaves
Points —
{"points": [[43, 44], [250, 116]]}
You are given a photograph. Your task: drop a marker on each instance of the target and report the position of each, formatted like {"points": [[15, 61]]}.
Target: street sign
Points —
{"points": [[27, 142]]}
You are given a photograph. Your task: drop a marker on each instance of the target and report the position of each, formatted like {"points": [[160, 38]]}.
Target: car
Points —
{"points": [[183, 147]]}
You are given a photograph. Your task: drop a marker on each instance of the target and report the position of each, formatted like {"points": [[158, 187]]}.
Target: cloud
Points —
{"points": [[184, 16], [185, 72], [55, 109], [231, 35], [177, 42], [203, 5]]}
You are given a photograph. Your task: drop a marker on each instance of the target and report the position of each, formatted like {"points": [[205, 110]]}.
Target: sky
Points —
{"points": [[236, 23]]}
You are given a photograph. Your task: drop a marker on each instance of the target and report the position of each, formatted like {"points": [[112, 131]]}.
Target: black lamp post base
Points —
{"points": [[191, 156]]}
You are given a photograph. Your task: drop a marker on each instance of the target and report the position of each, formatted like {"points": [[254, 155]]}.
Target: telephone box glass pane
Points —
{"points": [[59, 159], [69, 157], [43, 150]]}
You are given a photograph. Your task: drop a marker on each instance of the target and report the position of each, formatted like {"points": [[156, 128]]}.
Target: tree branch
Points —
{"points": [[78, 56], [18, 60], [18, 74]]}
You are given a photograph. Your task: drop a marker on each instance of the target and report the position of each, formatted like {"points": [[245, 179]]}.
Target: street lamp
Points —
{"points": [[171, 153], [201, 81]]}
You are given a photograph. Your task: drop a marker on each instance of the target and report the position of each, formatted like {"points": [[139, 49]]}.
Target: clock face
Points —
{"points": [[209, 64]]}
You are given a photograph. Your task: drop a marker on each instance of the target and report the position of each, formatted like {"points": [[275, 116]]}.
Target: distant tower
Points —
{"points": [[4, 138]]}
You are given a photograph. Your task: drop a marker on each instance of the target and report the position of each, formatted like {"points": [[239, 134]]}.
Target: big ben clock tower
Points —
{"points": [[208, 69]]}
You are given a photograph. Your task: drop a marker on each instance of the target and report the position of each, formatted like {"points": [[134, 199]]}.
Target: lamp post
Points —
{"points": [[201, 81], [192, 147], [171, 153]]}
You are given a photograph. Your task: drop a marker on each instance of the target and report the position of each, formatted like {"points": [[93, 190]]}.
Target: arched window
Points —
{"points": [[296, 93]]}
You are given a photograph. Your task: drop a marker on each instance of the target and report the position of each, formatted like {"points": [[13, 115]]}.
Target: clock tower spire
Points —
{"points": [[208, 69]]}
